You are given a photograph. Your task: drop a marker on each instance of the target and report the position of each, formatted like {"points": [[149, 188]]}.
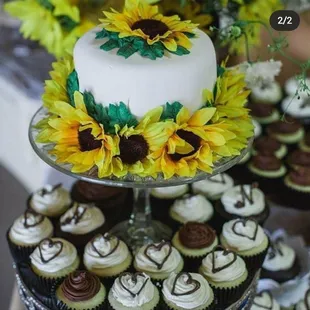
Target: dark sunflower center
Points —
{"points": [[151, 27], [87, 141], [190, 138], [133, 149]]}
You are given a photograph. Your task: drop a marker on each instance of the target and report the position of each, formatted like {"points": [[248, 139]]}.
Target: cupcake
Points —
{"points": [[304, 304], [304, 144], [80, 290], [51, 201], [243, 201], [264, 113], [266, 145], [281, 263], [214, 187], [292, 85], [267, 94], [299, 158], [81, 223], [289, 131], [191, 208], [194, 241], [257, 128], [106, 256], [263, 301], [298, 107], [247, 239], [133, 291], [158, 260], [226, 272], [26, 233], [52, 260], [298, 179], [267, 166], [187, 291]]}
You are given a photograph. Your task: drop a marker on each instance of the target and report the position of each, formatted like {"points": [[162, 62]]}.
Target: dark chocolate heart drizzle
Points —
{"points": [[107, 237], [274, 249], [225, 253], [44, 191], [245, 197], [262, 306], [244, 222], [189, 281], [158, 247], [36, 215], [134, 277], [51, 243], [76, 217]]}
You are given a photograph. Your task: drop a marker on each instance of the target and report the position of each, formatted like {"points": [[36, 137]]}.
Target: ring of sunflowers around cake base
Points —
{"points": [[167, 140]]}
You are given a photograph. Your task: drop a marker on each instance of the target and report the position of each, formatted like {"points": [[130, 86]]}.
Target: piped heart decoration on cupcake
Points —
{"points": [[158, 253], [32, 218], [264, 300], [106, 238], [133, 283], [46, 245], [225, 252], [77, 215], [245, 228], [184, 279]]}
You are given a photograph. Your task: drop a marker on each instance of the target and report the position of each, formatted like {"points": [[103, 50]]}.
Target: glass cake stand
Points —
{"points": [[140, 228]]}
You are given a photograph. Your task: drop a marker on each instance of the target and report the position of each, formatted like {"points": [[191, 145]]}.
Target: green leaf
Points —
{"points": [[171, 110], [102, 34], [220, 71], [90, 104], [67, 23], [181, 51], [109, 45], [190, 35], [127, 50], [72, 86]]}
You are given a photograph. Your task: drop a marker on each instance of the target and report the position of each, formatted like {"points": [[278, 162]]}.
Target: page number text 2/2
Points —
{"points": [[284, 20]]}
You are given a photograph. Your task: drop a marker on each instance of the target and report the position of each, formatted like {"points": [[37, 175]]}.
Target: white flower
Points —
{"points": [[260, 73]]}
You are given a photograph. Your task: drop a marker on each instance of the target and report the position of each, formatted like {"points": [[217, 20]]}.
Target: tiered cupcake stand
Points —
{"points": [[140, 228]]}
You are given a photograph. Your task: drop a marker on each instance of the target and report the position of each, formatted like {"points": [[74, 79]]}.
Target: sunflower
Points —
{"points": [[79, 140], [139, 19], [50, 22]]}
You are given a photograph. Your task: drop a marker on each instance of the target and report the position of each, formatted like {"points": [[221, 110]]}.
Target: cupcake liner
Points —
{"points": [[166, 306], [62, 306], [160, 211]]}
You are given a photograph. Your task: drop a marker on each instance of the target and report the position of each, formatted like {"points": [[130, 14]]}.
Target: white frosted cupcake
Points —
{"points": [[170, 192], [191, 208], [187, 291], [214, 187], [26, 233], [269, 94], [158, 260], [298, 107], [133, 291], [51, 201], [106, 256], [292, 85], [304, 304], [263, 301]]}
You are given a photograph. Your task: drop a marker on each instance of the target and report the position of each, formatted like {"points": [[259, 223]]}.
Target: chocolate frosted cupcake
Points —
{"points": [[194, 241], [264, 113], [304, 144], [51, 201], [263, 301], [133, 291], [247, 239], [81, 290], [226, 272], [158, 260], [298, 179], [281, 263], [187, 291], [243, 201], [107, 256], [214, 187], [266, 145], [304, 304], [270, 93], [289, 131], [26, 233], [81, 223], [299, 159]]}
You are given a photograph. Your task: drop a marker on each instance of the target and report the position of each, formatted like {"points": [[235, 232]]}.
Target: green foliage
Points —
{"points": [[67, 23], [171, 111], [72, 86], [220, 71], [181, 51]]}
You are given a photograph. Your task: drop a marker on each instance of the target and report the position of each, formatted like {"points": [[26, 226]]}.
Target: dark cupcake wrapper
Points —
{"points": [[165, 306]]}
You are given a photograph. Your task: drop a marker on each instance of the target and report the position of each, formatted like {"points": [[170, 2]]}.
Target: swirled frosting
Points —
{"points": [[104, 252], [264, 301], [304, 304], [80, 286], [242, 235], [257, 128], [53, 255], [292, 85], [194, 208], [170, 192], [187, 290], [231, 266], [158, 257], [279, 257], [50, 200], [271, 93], [30, 228], [296, 107], [133, 290], [195, 235], [234, 195], [81, 219], [214, 187]]}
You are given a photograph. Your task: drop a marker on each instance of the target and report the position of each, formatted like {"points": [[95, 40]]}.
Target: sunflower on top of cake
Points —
{"points": [[142, 95]]}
